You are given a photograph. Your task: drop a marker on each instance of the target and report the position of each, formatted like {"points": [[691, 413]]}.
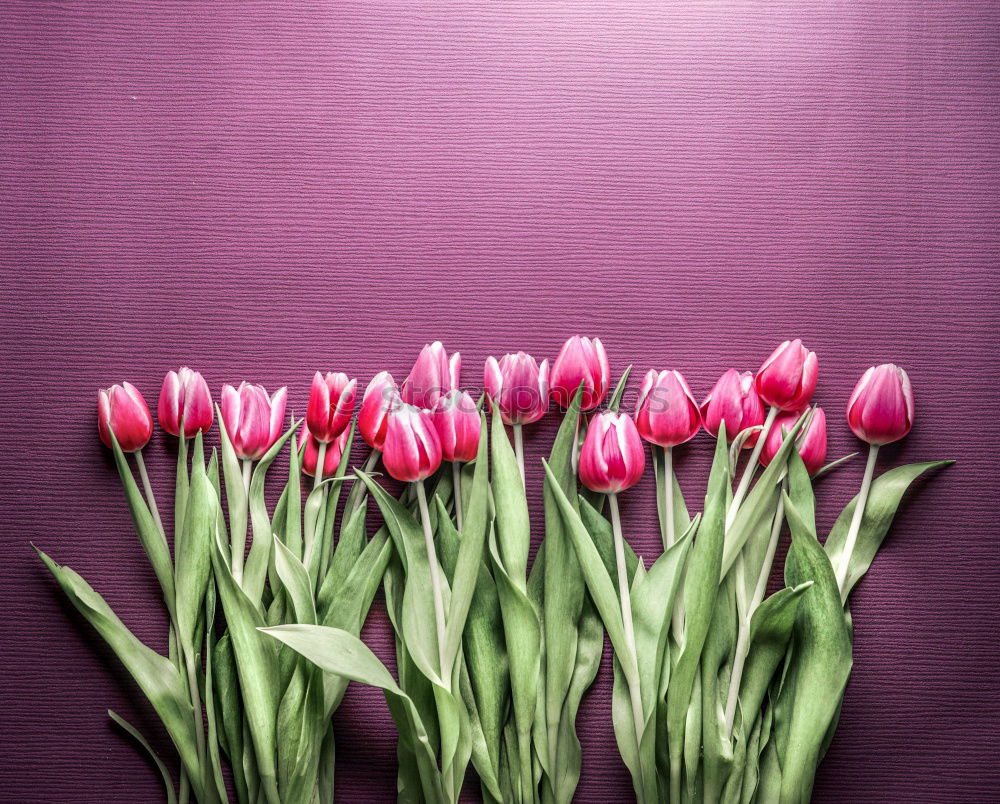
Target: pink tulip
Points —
{"points": [[518, 386], [733, 400], [122, 410], [456, 419], [380, 397], [665, 412], [253, 420], [788, 377], [612, 458], [811, 442], [880, 410], [580, 360], [331, 403], [331, 460], [185, 396], [412, 449], [432, 376]]}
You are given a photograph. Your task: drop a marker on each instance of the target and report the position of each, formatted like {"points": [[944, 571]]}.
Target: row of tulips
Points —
{"points": [[720, 692]]}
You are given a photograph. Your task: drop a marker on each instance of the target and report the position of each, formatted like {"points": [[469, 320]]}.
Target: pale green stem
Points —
{"points": [[199, 725], [668, 496], [743, 637], [456, 475], [148, 488], [751, 468], [519, 449], [320, 460], [436, 589], [630, 667], [859, 513], [240, 539]]}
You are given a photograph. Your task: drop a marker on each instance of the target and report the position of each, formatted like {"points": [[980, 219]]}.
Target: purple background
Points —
{"points": [[262, 190]]}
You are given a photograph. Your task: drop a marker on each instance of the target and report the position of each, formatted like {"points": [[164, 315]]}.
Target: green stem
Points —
{"points": [[148, 488], [435, 583], [751, 468], [456, 475], [320, 460], [630, 666], [519, 448], [671, 538], [239, 544], [199, 725], [859, 513]]}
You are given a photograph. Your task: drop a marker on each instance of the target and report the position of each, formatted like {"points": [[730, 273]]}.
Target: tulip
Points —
{"points": [[456, 420], [580, 360], [880, 410], [612, 458], [811, 442], [788, 377], [431, 377], [331, 403], [412, 449], [122, 410], [331, 458], [518, 387], [735, 401], [253, 419], [380, 397], [665, 412], [185, 398]]}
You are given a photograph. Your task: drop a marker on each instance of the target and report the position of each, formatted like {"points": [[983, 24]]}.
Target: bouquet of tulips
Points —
{"points": [[721, 692]]}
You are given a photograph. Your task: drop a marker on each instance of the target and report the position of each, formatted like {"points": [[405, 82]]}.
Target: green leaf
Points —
{"points": [[152, 538], [513, 529], [168, 782], [616, 396], [821, 660], [156, 676], [227, 690], [260, 551], [700, 589], [350, 545], [883, 499], [194, 545], [210, 707], [236, 494], [296, 581]]}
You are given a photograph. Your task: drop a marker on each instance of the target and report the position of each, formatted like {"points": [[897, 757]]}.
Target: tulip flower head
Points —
{"points": [[380, 397], [122, 410], [787, 379], [432, 376], [665, 412], [612, 458], [735, 401], [412, 449], [880, 410], [456, 420], [331, 459], [518, 387], [252, 418], [580, 360], [185, 398], [811, 442], [331, 403]]}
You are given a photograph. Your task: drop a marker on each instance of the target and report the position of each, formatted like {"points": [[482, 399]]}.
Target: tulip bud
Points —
{"points": [[811, 442], [612, 458], [665, 412], [518, 387], [432, 376], [331, 403], [412, 449], [380, 397], [185, 397], [880, 410], [253, 419], [580, 360], [733, 400], [788, 377], [331, 460], [456, 419], [122, 410]]}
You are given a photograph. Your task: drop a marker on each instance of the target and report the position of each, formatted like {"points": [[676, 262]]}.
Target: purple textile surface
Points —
{"points": [[260, 190]]}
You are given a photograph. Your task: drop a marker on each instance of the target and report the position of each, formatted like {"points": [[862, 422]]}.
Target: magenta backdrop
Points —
{"points": [[260, 190]]}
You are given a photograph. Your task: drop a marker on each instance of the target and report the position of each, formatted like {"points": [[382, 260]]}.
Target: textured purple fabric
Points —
{"points": [[261, 190]]}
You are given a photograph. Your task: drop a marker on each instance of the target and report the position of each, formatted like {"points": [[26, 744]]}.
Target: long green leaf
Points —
{"points": [[168, 782], [513, 529], [194, 546]]}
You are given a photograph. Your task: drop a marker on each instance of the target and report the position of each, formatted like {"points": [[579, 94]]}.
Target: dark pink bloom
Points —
{"points": [[733, 400], [253, 419], [518, 387], [456, 419], [380, 397], [331, 403], [880, 410], [122, 410], [612, 458], [331, 460], [432, 376], [412, 449], [580, 360], [185, 397], [665, 412], [811, 442], [788, 377]]}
